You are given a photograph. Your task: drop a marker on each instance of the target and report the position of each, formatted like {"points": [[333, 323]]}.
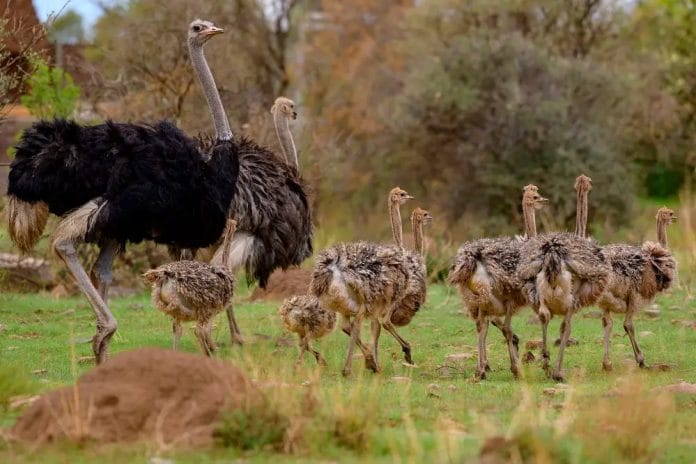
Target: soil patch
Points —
{"points": [[284, 284], [150, 394]]}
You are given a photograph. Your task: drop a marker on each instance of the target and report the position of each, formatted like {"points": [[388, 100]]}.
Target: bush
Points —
{"points": [[52, 94]]}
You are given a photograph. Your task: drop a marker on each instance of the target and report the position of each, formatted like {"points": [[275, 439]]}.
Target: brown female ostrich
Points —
{"points": [[283, 110], [272, 210], [303, 315], [193, 291], [485, 270], [638, 273], [561, 273]]}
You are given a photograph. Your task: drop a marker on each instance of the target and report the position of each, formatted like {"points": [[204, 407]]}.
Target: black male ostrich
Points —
{"points": [[117, 183]]}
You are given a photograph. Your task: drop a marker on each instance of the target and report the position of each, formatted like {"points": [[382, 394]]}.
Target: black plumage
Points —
{"points": [[150, 182]]}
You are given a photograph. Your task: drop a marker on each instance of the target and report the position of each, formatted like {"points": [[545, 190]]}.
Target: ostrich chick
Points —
{"points": [[303, 315], [194, 291]]}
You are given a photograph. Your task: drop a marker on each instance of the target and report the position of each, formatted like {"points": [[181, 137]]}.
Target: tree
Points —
{"points": [[52, 92], [66, 28], [140, 50]]}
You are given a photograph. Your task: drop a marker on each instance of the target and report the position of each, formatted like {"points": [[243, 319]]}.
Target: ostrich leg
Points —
{"points": [[103, 266], [106, 323], [235, 333]]}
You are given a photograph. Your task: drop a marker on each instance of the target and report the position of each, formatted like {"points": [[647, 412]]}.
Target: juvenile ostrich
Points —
{"points": [[638, 273], [361, 280], [193, 291], [561, 273], [271, 207], [304, 315], [117, 183], [485, 271]]}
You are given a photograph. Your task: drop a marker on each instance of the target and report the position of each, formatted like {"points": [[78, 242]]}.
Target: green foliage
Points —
{"points": [[253, 427], [52, 94], [13, 382]]}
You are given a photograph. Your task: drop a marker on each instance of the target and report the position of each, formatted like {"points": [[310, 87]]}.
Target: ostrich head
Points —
{"points": [[399, 196], [284, 106], [531, 197], [665, 216], [200, 31], [419, 215], [583, 184]]}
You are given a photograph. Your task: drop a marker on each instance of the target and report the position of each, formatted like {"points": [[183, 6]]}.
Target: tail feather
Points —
{"points": [[462, 269], [26, 222]]}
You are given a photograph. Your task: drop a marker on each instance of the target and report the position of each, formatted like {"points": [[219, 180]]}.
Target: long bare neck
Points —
{"points": [[395, 218], [662, 232], [418, 239], [529, 220], [227, 244], [200, 65], [287, 144], [581, 214]]}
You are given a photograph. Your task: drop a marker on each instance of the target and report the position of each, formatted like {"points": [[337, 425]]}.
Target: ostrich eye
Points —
{"points": [[197, 28]]}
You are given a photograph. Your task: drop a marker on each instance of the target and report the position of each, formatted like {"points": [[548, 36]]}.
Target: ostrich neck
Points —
{"points": [[200, 65], [529, 221], [662, 233], [227, 245], [287, 144], [395, 217], [581, 215], [418, 240]]}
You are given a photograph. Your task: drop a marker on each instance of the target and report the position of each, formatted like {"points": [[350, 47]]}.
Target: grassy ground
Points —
{"points": [[438, 413]]}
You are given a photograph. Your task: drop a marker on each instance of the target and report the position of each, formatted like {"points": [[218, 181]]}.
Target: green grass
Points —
{"points": [[441, 414]]}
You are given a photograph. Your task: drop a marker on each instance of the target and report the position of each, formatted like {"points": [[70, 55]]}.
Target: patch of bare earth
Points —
{"points": [[284, 284], [153, 395]]}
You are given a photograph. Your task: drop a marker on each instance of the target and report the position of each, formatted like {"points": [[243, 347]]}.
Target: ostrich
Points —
{"points": [[193, 291], [484, 270], [304, 315], [283, 110], [583, 185], [638, 273], [561, 273], [274, 222], [362, 280], [116, 183]]}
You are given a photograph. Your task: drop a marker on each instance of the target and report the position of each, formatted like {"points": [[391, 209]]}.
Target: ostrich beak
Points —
{"points": [[214, 31], [409, 197]]}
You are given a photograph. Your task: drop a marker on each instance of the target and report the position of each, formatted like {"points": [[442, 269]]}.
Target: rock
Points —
{"points": [[85, 360], [136, 306], [645, 333], [451, 387], [25, 272], [528, 357], [401, 379], [158, 460], [533, 320], [39, 371]]}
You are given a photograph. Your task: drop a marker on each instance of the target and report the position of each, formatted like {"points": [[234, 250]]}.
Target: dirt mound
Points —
{"points": [[284, 284], [149, 394]]}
